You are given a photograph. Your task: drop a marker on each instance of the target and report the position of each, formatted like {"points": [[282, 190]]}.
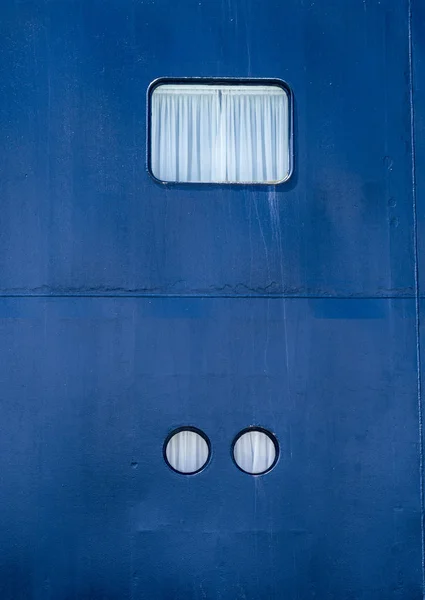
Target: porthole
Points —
{"points": [[255, 451], [187, 450]]}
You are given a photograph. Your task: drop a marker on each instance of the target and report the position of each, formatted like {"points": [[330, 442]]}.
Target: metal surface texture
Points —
{"points": [[130, 309]]}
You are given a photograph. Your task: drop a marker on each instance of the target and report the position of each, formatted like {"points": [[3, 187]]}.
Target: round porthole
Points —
{"points": [[255, 451], [187, 450]]}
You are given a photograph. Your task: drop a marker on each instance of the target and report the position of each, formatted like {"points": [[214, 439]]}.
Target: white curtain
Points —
{"points": [[187, 451], [211, 133], [254, 452]]}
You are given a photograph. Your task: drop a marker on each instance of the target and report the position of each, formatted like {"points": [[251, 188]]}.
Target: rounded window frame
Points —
{"points": [[271, 435], [193, 429], [272, 81]]}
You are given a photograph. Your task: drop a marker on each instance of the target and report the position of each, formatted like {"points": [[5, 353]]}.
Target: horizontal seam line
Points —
{"points": [[200, 296]]}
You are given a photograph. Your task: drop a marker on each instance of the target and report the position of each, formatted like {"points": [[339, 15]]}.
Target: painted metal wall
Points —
{"points": [[129, 308]]}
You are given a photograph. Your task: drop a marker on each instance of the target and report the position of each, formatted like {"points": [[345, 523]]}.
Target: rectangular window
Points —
{"points": [[220, 133]]}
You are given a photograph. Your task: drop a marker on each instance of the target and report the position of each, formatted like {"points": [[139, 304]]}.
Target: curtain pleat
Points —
{"points": [[187, 451], [254, 452], [219, 133]]}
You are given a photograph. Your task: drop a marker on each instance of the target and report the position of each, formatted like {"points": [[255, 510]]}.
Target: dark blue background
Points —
{"points": [[129, 308]]}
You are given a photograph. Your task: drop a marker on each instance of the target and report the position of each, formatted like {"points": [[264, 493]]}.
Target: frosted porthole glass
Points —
{"points": [[220, 133], [255, 451], [187, 451]]}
